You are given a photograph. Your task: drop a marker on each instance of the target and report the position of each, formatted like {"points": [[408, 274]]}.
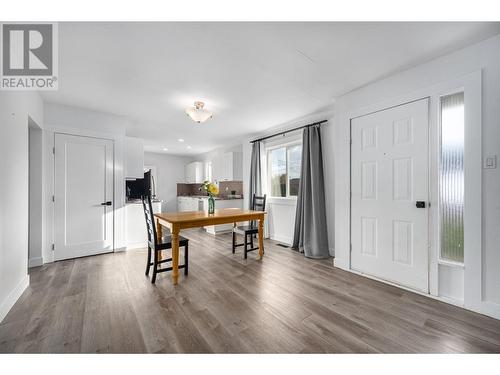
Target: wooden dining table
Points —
{"points": [[176, 221]]}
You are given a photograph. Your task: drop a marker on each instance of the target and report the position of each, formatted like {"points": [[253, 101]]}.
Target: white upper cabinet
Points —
{"points": [[217, 168], [134, 158], [237, 166], [227, 167], [195, 172]]}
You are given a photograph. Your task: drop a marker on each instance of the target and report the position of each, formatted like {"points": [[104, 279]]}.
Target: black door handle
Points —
{"points": [[420, 204], [108, 203]]}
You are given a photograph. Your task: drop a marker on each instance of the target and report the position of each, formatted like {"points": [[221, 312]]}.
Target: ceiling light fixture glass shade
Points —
{"points": [[198, 113]]}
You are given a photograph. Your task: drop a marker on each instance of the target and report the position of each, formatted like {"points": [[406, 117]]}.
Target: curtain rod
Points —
{"points": [[288, 131]]}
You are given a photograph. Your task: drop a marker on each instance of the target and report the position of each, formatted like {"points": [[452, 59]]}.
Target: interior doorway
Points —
{"points": [[84, 197], [35, 193]]}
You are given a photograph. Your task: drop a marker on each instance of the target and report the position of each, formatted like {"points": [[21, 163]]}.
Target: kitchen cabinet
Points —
{"points": [[227, 167], [195, 172], [134, 158], [190, 203], [220, 204], [135, 224]]}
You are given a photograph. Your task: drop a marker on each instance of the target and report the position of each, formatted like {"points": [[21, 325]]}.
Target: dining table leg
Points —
{"points": [[261, 237], [159, 236], [175, 254]]}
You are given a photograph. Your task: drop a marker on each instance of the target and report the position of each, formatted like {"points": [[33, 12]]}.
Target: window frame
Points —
{"points": [[274, 146]]}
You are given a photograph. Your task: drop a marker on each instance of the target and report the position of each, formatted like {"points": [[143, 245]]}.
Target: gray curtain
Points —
{"points": [[255, 174], [310, 235]]}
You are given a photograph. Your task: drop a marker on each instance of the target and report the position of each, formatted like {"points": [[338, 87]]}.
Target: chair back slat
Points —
{"points": [[150, 221], [258, 204]]}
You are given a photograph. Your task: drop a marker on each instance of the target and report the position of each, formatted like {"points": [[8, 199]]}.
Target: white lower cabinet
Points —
{"points": [[189, 204], [222, 203], [136, 231]]}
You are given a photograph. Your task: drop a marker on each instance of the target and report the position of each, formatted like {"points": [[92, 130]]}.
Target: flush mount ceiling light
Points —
{"points": [[198, 113]]}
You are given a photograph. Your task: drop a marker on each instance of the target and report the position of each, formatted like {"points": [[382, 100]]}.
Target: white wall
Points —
{"points": [[15, 110], [280, 220], [484, 56], [208, 156], [170, 170]]}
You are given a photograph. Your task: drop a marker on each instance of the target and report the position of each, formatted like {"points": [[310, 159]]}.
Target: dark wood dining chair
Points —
{"points": [[155, 246], [249, 231]]}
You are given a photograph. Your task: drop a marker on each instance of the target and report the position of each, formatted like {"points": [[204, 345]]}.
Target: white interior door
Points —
{"points": [[83, 196], [389, 174]]}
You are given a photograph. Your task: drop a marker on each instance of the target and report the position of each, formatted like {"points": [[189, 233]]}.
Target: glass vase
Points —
{"points": [[211, 205]]}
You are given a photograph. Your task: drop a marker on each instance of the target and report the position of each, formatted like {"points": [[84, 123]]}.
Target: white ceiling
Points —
{"points": [[253, 76]]}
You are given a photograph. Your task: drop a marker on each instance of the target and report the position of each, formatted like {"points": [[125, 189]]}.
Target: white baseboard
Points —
{"points": [[341, 263], [35, 262], [132, 246], [491, 309], [283, 239], [448, 300], [12, 298], [487, 308], [123, 248]]}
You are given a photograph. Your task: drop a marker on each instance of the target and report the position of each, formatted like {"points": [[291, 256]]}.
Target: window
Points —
{"points": [[451, 178], [208, 171], [294, 158], [284, 170]]}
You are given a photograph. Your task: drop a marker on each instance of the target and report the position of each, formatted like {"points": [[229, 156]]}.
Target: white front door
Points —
{"points": [[84, 169], [389, 174]]}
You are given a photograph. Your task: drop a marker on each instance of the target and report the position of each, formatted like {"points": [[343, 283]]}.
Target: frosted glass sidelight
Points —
{"points": [[451, 186]]}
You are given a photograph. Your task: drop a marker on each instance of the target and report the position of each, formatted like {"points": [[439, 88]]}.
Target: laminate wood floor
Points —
{"points": [[283, 304]]}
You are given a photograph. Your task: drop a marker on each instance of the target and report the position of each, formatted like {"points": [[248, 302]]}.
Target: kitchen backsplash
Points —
{"points": [[225, 188], [185, 190]]}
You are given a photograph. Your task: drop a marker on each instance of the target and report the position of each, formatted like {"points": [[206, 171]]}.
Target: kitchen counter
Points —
{"points": [[138, 201], [205, 196], [200, 203]]}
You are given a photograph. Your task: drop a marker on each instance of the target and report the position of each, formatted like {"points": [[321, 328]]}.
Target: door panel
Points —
{"points": [[389, 173], [83, 181]]}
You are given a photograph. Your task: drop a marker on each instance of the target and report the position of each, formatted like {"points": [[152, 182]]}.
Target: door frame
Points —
{"points": [[55, 133], [428, 189], [35, 194], [471, 84]]}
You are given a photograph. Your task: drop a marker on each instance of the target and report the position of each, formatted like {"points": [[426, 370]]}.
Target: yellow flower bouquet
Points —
{"points": [[211, 189]]}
